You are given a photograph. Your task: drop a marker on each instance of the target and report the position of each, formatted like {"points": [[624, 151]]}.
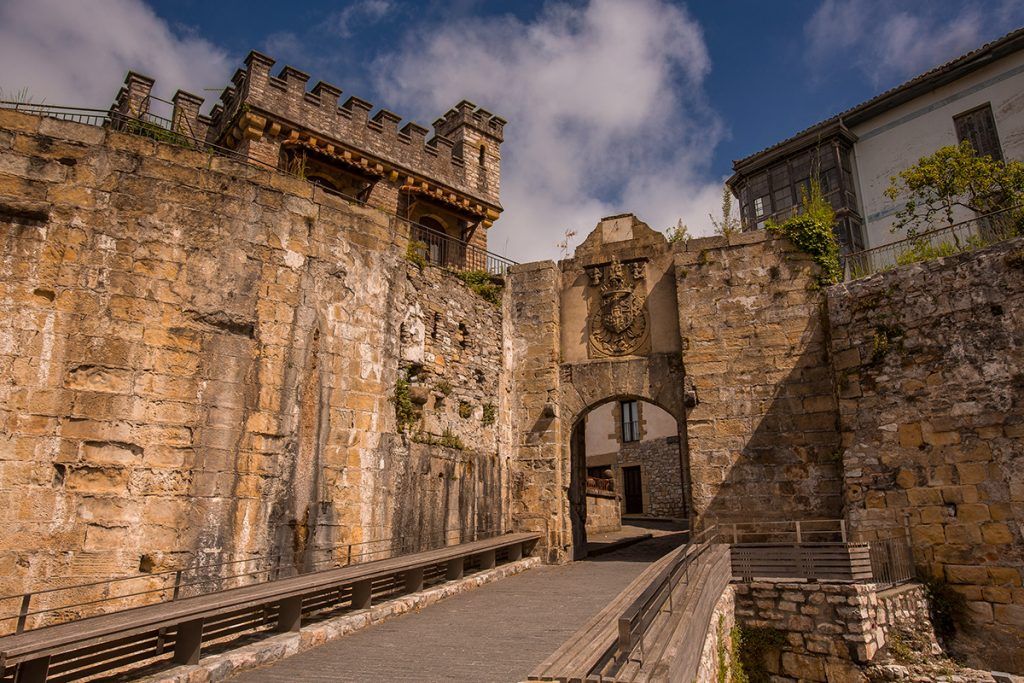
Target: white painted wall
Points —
{"points": [[600, 428], [896, 139]]}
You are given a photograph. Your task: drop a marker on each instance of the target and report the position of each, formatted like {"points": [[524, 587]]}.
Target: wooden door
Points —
{"points": [[632, 490]]}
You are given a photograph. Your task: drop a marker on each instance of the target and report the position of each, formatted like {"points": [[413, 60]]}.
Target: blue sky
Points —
{"points": [[614, 105]]}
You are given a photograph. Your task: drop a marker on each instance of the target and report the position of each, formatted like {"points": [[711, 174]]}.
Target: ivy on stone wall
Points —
{"points": [[811, 231], [751, 645], [481, 282]]}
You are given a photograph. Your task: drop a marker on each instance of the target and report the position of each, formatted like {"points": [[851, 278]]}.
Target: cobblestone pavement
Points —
{"points": [[498, 632]]}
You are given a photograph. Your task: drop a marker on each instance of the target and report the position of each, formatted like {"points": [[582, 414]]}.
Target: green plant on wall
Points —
{"points": [[952, 178], [752, 645], [415, 253], [465, 410], [405, 411], [490, 414], [811, 231], [948, 608], [481, 282]]}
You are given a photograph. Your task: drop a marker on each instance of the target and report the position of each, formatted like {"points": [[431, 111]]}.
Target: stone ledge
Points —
{"points": [[222, 666]]}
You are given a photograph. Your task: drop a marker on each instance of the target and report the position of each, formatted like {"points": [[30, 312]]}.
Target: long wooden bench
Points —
{"points": [[175, 631], [594, 643]]}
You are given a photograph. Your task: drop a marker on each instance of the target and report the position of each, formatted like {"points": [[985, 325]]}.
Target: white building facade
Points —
{"points": [[977, 97]]}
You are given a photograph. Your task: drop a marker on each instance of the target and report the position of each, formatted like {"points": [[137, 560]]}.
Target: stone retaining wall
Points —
{"points": [[929, 366], [829, 628]]}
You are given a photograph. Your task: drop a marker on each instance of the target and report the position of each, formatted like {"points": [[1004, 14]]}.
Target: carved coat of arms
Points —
{"points": [[618, 321]]}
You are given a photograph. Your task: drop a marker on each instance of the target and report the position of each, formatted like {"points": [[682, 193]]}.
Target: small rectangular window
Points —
{"points": [[630, 421], [978, 127], [759, 206]]}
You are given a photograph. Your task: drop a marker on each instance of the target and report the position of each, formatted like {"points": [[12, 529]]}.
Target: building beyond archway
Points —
{"points": [[724, 335]]}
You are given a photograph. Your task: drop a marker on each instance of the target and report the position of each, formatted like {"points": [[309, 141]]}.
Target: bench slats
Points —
{"points": [[96, 631]]}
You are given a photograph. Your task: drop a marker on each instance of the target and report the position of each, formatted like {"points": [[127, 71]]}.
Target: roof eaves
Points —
{"points": [[933, 78]]}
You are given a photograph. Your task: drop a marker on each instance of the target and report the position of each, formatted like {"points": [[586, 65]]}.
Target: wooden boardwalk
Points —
{"points": [[499, 632]]}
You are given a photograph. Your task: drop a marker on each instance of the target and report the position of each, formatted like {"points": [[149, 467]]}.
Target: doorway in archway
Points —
{"points": [[627, 468]]}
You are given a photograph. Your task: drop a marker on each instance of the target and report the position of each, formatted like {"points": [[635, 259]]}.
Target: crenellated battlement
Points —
{"points": [[261, 103]]}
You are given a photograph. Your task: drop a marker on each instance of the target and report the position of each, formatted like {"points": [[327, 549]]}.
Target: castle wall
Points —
{"points": [[762, 429], [285, 97], [929, 361], [198, 362]]}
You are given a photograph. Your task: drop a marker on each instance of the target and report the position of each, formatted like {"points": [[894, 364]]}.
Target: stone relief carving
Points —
{"points": [[618, 321]]}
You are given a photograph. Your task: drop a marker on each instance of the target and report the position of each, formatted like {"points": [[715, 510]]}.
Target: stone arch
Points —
{"points": [[657, 379]]}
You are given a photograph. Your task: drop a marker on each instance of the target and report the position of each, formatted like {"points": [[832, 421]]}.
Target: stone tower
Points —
{"points": [[477, 135]]}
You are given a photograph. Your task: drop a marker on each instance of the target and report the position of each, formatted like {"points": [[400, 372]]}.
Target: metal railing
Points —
{"points": [[967, 235], [638, 617], [441, 250], [445, 251], [892, 561], [201, 579]]}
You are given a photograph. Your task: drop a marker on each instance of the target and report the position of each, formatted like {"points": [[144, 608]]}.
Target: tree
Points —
{"points": [[679, 233], [954, 176], [729, 224]]}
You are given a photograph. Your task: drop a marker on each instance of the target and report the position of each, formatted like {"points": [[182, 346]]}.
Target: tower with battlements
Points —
{"points": [[447, 185]]}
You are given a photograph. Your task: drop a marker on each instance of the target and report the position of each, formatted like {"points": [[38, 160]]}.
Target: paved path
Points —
{"points": [[498, 632]]}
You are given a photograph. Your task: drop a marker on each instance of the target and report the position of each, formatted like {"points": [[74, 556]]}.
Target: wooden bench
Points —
{"points": [[594, 643], [175, 631]]}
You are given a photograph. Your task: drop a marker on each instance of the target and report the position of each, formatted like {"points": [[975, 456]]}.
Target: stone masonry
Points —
{"points": [[929, 363], [199, 358], [762, 433]]}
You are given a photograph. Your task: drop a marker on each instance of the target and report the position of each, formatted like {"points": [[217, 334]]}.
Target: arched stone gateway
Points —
{"points": [[726, 336]]}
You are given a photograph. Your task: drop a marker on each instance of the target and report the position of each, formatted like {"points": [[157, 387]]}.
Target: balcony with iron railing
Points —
{"points": [[968, 235], [439, 249]]}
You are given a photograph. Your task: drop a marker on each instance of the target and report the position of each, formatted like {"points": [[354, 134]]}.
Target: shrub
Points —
{"points": [[481, 282]]}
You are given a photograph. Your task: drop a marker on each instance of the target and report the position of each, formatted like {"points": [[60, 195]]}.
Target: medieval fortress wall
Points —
{"points": [[929, 363], [199, 358]]}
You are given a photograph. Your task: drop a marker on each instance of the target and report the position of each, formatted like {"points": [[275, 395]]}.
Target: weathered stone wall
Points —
{"points": [[929, 363], [198, 358], [603, 513], [763, 431], [540, 476], [661, 473], [717, 654], [828, 629]]}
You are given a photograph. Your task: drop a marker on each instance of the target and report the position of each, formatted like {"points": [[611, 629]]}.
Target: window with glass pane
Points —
{"points": [[979, 128], [759, 204], [630, 421]]}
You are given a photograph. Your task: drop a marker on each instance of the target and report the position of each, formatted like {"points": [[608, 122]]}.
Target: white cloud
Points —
{"points": [[76, 53], [889, 42], [364, 12], [605, 107]]}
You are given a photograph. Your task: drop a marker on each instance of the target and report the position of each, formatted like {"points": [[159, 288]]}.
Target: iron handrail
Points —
{"points": [[491, 262], [862, 263], [637, 618]]}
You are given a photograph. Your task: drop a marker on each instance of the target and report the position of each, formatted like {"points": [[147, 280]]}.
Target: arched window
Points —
{"points": [[483, 152]]}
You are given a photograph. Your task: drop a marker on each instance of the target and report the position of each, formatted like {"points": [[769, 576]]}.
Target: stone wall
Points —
{"points": [[199, 360], [717, 654], [603, 513], [762, 431], [929, 365], [828, 630], [660, 471]]}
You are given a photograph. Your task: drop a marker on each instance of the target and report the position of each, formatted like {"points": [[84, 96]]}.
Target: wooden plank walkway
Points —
{"points": [[499, 632]]}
